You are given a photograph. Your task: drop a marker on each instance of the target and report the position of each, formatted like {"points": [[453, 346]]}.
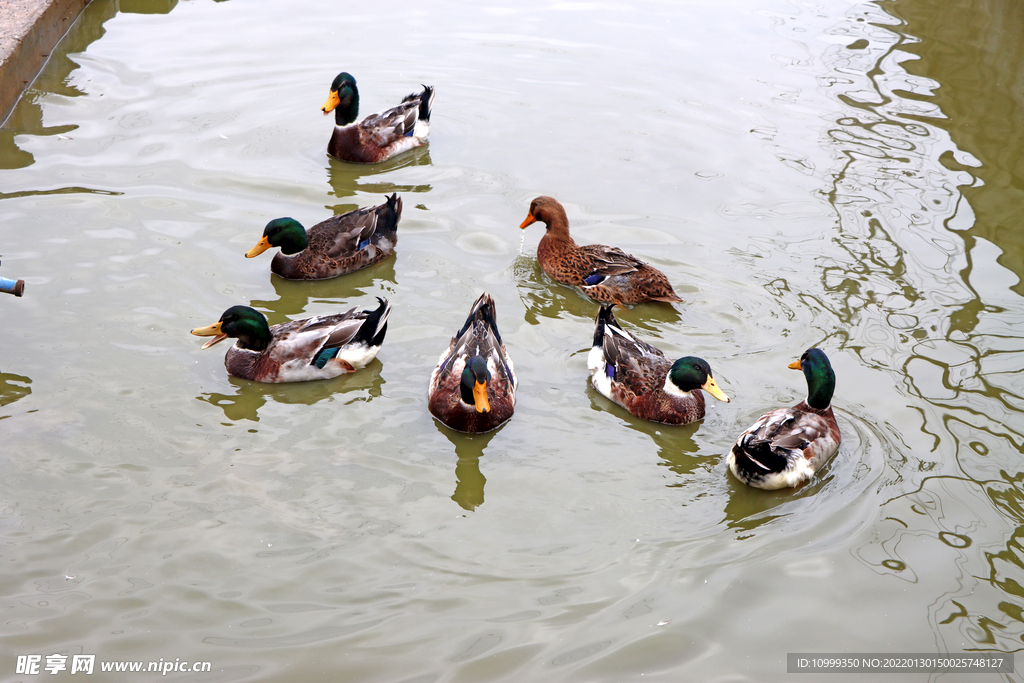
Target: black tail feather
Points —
{"points": [[388, 215], [604, 318], [758, 457], [426, 102], [369, 333]]}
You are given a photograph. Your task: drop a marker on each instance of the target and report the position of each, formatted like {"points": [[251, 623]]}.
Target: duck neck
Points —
{"points": [[821, 384], [254, 337], [348, 109], [557, 224]]}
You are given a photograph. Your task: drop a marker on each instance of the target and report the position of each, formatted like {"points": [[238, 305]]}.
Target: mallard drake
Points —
{"points": [[338, 245], [642, 380], [378, 136], [605, 274], [473, 387], [320, 347], [786, 446]]}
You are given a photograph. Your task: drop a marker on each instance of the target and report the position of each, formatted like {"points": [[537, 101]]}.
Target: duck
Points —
{"points": [[605, 274], [379, 136], [321, 347], [336, 246], [473, 387], [641, 379], [786, 446]]}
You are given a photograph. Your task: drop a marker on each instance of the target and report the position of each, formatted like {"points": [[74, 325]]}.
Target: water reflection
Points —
{"points": [[950, 522], [543, 297], [678, 450], [147, 6], [676, 446], [12, 388], [348, 179], [250, 397], [27, 117], [469, 483], [345, 291], [923, 297], [469, 480], [989, 36]]}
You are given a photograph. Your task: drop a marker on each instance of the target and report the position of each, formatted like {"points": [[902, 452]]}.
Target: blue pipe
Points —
{"points": [[15, 287]]}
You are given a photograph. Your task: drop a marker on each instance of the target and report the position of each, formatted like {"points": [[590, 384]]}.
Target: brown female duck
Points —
{"points": [[605, 274]]}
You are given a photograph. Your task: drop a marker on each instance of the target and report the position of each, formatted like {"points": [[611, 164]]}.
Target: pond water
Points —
{"points": [[837, 174]]}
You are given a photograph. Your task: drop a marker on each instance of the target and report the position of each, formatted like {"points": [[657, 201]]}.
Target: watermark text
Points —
{"points": [[31, 665]]}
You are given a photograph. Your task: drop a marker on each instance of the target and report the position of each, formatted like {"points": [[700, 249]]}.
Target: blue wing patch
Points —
{"points": [[594, 279], [321, 358]]}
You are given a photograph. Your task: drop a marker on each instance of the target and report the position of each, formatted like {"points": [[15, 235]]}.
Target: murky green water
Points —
{"points": [[839, 174]]}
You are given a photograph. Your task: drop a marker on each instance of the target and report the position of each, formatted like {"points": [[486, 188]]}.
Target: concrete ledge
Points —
{"points": [[29, 30]]}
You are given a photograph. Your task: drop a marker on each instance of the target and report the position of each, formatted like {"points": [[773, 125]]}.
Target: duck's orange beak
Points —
{"points": [[530, 220], [260, 247], [332, 101], [480, 397], [210, 331], [795, 365]]}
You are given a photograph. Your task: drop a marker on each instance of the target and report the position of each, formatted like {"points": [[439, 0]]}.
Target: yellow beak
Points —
{"points": [[530, 220], [713, 389], [210, 331], [480, 397], [260, 247], [332, 101], [795, 365]]}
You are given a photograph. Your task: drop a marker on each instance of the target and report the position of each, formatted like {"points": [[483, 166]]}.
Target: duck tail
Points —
{"points": [[373, 329], [426, 102], [483, 309], [388, 215], [605, 317], [758, 457]]}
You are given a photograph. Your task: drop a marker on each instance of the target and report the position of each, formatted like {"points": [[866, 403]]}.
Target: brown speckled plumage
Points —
{"points": [[616, 277], [333, 248]]}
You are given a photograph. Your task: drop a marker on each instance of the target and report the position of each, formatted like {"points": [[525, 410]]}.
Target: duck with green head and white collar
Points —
{"points": [[642, 380]]}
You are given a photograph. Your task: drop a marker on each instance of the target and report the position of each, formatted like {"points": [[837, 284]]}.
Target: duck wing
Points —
{"points": [[608, 261], [637, 365], [387, 127]]}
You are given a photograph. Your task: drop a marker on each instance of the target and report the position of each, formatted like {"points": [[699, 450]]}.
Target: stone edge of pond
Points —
{"points": [[29, 31]]}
